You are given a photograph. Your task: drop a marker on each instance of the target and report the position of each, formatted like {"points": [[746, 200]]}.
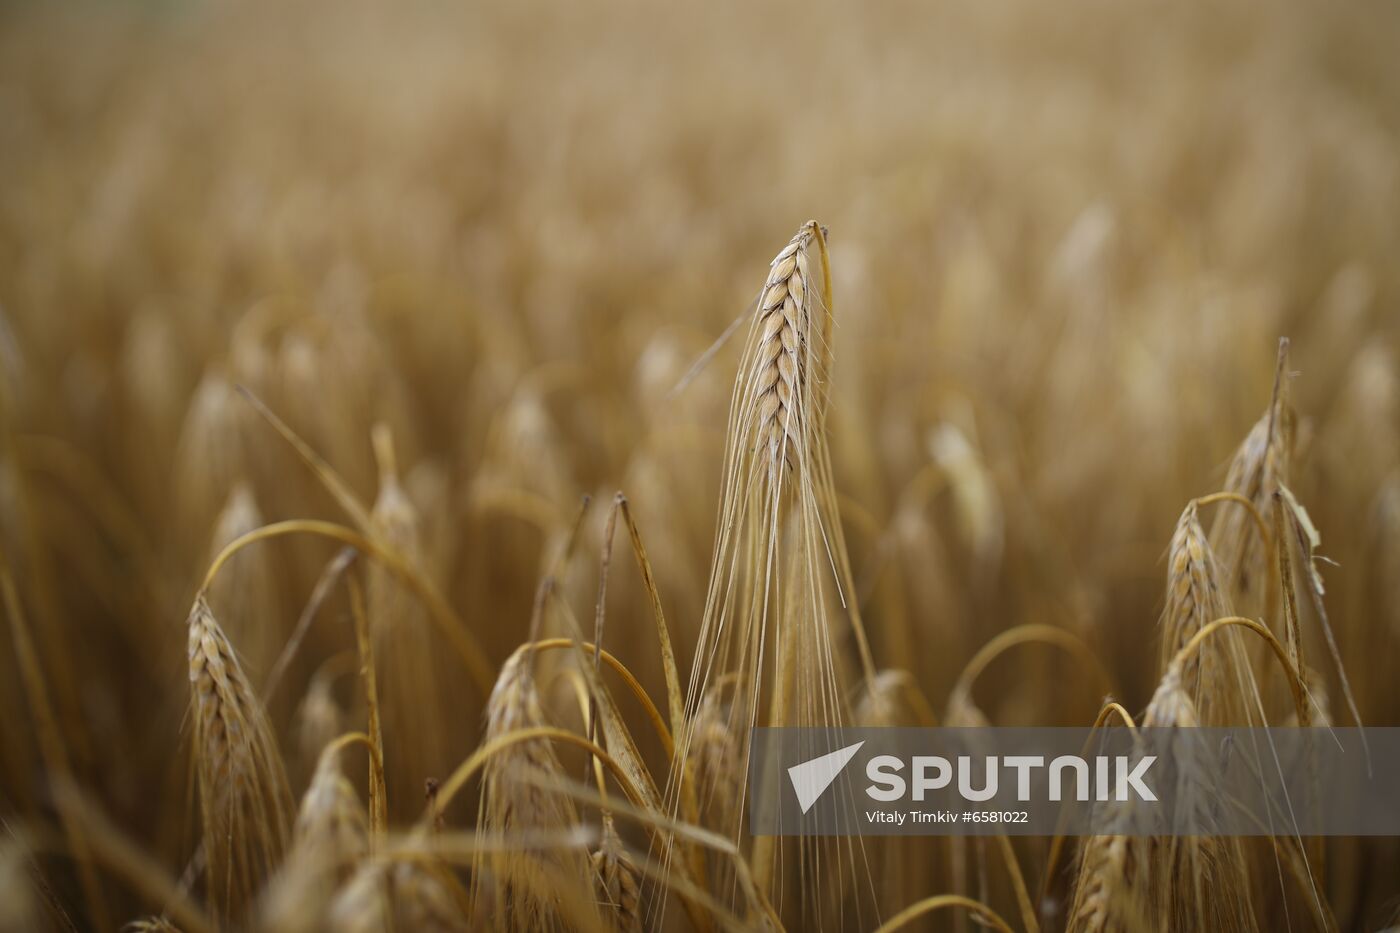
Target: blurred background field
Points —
{"points": [[1065, 239]]}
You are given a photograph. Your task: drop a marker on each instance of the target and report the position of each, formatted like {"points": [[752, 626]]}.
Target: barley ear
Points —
{"points": [[245, 801]]}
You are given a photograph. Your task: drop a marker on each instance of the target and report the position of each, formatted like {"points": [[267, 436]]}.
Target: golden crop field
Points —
{"points": [[418, 474]]}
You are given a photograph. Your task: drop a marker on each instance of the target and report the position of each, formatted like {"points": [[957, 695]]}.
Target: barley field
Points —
{"points": [[432, 435]]}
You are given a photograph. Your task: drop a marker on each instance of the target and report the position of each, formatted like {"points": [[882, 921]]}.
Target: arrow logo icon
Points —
{"points": [[811, 778]]}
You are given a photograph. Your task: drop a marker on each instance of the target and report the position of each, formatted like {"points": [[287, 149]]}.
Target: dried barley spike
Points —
{"points": [[513, 882], [715, 758], [243, 791], [1260, 466], [781, 367], [1195, 598], [406, 645], [331, 836], [395, 896], [319, 719], [331, 820], [618, 880], [778, 606], [1197, 882], [1107, 898]]}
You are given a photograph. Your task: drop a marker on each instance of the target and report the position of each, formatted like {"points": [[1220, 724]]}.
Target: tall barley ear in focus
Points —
{"points": [[513, 887], [245, 802], [406, 645], [779, 608]]}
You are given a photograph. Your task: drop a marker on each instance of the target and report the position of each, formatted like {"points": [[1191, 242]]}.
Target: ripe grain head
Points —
{"points": [[1197, 882], [244, 797], [781, 369], [329, 839], [618, 881], [1258, 469], [714, 764], [319, 719], [513, 801], [395, 896], [407, 646], [1195, 598]]}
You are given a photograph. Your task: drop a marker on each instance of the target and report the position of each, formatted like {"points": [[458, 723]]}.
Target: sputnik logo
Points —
{"points": [[811, 778]]}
